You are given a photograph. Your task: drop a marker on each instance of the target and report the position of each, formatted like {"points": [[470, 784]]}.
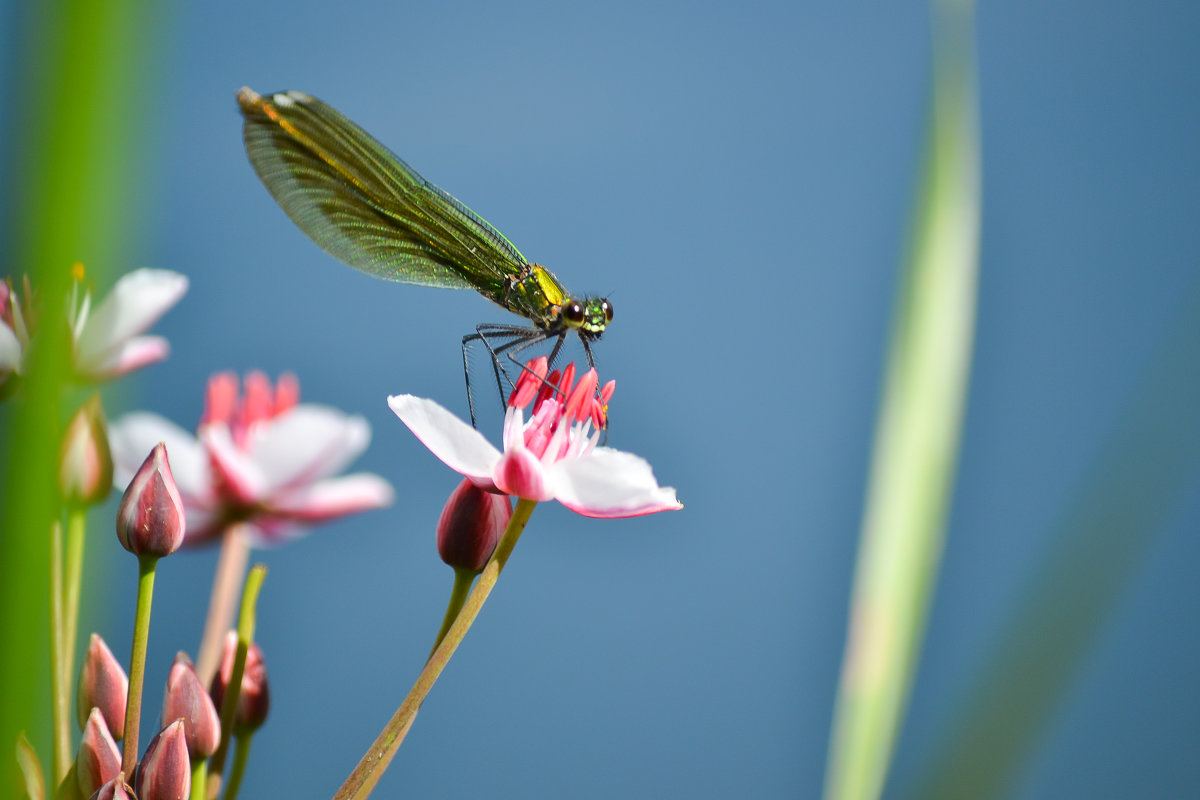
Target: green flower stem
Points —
{"points": [[245, 629], [227, 584], [60, 694], [458, 595], [199, 773], [73, 566], [375, 761], [241, 754], [137, 661]]}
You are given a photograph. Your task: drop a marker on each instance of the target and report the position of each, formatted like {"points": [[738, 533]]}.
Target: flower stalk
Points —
{"points": [[245, 633], [463, 578], [73, 579], [61, 754], [381, 752], [227, 585], [137, 660]]}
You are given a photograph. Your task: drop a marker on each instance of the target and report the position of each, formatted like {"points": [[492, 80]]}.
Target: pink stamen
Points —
{"points": [[220, 398], [528, 383], [256, 399], [287, 394], [579, 404], [548, 388]]}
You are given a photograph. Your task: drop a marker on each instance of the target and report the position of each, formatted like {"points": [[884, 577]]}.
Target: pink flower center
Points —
{"points": [[258, 402], [558, 404]]}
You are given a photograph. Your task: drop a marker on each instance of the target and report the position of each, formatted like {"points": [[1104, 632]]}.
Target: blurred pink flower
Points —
{"points": [[259, 458], [108, 340], [553, 456], [14, 332]]}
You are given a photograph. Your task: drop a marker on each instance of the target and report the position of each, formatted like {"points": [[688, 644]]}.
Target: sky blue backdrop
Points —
{"points": [[739, 180]]}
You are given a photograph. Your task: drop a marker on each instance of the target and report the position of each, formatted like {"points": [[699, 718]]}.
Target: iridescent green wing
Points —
{"points": [[363, 205]]}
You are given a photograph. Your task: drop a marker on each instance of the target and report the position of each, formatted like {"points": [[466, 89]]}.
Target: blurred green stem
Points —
{"points": [[241, 754], [379, 755], [76, 530], [917, 438], [60, 693], [245, 634]]}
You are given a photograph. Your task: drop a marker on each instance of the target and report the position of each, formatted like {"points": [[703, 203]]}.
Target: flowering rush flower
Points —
{"points": [[14, 332], [552, 456], [259, 458], [108, 340]]}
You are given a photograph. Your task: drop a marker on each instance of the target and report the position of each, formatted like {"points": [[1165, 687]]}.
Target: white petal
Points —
{"points": [[335, 497], [134, 435], [610, 483], [10, 350], [457, 444], [136, 301], [136, 353], [307, 443]]}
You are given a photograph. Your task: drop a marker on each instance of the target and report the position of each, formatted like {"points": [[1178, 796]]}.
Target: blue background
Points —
{"points": [[740, 181]]}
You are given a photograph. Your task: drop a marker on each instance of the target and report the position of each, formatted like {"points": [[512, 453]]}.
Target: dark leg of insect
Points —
{"points": [[511, 341], [500, 340]]}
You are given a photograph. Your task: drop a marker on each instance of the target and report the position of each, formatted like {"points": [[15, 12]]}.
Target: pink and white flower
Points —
{"points": [[14, 332], [553, 456], [260, 458], [108, 340]]}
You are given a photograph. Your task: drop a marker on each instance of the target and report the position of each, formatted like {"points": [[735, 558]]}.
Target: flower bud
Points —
{"points": [[151, 520], [98, 760], [114, 790], [186, 699], [165, 772], [254, 700], [103, 685], [471, 525], [86, 468]]}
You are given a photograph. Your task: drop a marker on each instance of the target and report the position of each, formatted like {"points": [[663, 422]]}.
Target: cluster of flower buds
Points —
{"points": [[191, 726]]}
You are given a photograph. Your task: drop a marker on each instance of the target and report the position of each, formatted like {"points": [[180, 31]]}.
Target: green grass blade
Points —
{"points": [[918, 432], [78, 73]]}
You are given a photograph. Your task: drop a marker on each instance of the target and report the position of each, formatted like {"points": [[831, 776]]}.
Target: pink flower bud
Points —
{"points": [[471, 525], [186, 699], [114, 790], [150, 520], [85, 472], [98, 760], [165, 772], [103, 685], [254, 700]]}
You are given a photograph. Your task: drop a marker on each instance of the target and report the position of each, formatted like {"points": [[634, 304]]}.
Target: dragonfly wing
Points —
{"points": [[365, 206]]}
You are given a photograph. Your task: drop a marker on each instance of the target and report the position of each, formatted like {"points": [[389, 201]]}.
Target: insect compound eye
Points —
{"points": [[608, 310], [573, 312]]}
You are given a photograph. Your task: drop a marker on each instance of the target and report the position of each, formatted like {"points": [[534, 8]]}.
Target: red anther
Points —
{"points": [[568, 379], [607, 392], [548, 388], [287, 393], [528, 383], [220, 398], [257, 402], [579, 404]]}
